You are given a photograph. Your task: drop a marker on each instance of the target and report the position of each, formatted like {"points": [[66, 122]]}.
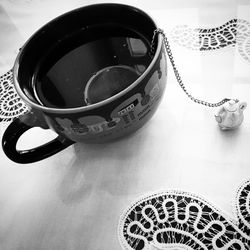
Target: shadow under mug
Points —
{"points": [[103, 121]]}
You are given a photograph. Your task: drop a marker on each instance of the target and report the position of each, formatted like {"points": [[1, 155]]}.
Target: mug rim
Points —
{"points": [[34, 105]]}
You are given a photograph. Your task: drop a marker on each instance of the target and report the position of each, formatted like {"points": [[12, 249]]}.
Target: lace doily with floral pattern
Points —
{"points": [[180, 220], [11, 106], [235, 32]]}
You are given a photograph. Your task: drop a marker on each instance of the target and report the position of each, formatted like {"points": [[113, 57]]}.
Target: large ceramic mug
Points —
{"points": [[100, 121]]}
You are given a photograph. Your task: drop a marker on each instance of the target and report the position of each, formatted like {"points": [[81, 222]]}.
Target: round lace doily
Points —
{"points": [[11, 106], [235, 32], [180, 220]]}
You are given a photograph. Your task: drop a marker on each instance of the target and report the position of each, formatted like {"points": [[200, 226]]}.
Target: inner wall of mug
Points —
{"points": [[45, 40]]}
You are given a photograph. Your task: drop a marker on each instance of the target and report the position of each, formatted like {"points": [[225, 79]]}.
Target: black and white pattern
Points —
{"points": [[175, 219], [11, 106], [243, 207], [234, 32]]}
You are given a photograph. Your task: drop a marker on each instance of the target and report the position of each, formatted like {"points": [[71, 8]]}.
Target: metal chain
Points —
{"points": [[176, 72]]}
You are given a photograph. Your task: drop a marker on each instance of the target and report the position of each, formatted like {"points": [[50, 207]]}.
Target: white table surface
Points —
{"points": [[73, 200]]}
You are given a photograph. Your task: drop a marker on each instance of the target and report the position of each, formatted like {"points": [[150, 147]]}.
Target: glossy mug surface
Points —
{"points": [[88, 75]]}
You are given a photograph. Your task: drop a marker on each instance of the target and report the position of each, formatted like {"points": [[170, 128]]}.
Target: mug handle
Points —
{"points": [[14, 132]]}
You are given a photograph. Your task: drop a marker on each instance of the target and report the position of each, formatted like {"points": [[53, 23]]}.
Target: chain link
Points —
{"points": [[176, 72]]}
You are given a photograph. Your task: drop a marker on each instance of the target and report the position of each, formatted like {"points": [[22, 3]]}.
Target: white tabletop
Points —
{"points": [[74, 199]]}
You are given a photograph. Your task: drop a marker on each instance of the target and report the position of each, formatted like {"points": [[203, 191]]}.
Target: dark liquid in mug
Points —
{"points": [[90, 66]]}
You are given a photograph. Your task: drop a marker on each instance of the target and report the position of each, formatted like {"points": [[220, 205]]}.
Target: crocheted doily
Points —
{"points": [[180, 220], [11, 106], [234, 32]]}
